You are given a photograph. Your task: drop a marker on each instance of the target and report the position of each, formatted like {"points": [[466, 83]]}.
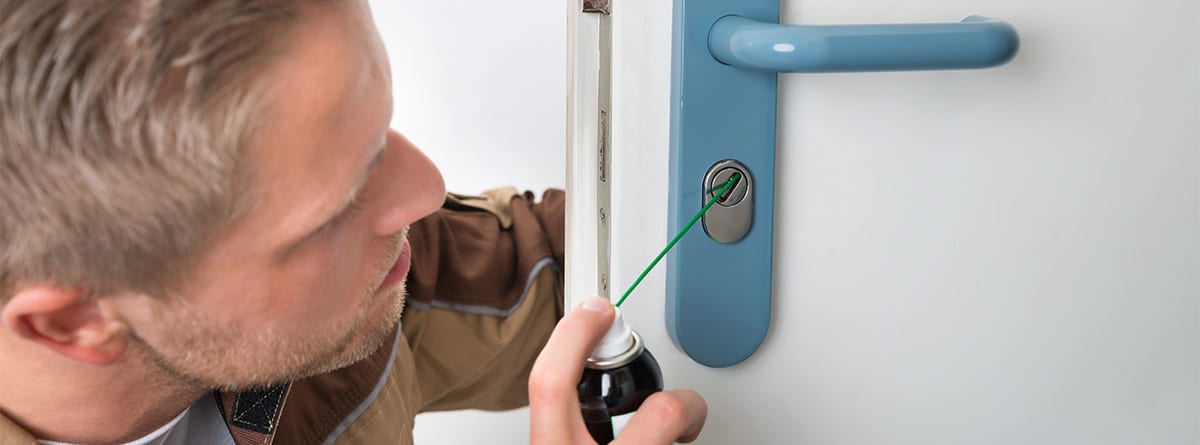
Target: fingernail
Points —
{"points": [[596, 304]]}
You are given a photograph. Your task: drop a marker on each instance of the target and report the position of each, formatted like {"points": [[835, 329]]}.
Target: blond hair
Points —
{"points": [[121, 127]]}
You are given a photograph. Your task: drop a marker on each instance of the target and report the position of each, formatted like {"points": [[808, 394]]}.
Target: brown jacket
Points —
{"points": [[485, 290]]}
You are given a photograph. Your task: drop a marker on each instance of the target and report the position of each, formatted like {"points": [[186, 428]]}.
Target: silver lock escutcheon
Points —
{"points": [[729, 220]]}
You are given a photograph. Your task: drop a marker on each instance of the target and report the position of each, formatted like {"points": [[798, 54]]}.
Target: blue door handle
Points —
{"points": [[724, 63], [976, 42]]}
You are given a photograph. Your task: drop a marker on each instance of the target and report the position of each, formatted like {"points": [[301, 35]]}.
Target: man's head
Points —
{"points": [[204, 186]]}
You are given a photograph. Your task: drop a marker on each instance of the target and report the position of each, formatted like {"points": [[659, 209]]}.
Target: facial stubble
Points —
{"points": [[204, 353]]}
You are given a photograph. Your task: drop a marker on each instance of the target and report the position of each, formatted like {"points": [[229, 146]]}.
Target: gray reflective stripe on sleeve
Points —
{"points": [[362, 407], [480, 309]]}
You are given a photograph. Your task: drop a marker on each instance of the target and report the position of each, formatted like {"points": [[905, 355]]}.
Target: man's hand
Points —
{"points": [[555, 417]]}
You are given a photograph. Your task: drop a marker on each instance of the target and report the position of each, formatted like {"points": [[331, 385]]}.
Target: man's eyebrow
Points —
{"points": [[345, 205]]}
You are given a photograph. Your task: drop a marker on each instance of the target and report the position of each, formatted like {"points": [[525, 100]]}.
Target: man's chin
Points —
{"points": [[377, 325]]}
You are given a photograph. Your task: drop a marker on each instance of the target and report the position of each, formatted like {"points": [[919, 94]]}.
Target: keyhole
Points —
{"points": [[736, 193]]}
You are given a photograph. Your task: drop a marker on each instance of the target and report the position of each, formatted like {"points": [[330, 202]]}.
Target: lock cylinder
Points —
{"points": [[729, 221]]}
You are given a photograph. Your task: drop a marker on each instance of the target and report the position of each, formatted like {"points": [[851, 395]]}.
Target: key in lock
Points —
{"points": [[730, 219]]}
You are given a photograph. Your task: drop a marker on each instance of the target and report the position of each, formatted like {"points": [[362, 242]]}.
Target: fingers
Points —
{"points": [[553, 398], [666, 417]]}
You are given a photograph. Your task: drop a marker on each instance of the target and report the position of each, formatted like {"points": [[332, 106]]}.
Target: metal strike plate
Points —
{"points": [[729, 220]]}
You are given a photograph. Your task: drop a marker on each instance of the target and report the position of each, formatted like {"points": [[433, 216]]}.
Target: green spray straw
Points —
{"points": [[728, 184]]}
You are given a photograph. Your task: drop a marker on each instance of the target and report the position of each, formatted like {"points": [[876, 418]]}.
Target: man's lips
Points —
{"points": [[400, 269]]}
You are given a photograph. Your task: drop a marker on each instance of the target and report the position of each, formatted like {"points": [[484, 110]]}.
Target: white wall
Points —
{"points": [[481, 88]]}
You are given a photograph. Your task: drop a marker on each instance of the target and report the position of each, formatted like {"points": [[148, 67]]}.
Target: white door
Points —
{"points": [[1001, 256]]}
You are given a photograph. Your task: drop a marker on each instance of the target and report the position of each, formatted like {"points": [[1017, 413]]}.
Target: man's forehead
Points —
{"points": [[328, 104]]}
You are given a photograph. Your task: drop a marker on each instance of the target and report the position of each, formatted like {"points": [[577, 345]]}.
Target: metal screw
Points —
{"points": [[601, 6]]}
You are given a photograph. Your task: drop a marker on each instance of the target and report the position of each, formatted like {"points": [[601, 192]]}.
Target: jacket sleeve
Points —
{"points": [[484, 292]]}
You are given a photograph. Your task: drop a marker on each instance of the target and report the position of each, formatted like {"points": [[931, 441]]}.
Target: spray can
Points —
{"points": [[619, 375]]}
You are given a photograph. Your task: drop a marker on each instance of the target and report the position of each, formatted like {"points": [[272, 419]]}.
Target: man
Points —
{"points": [[208, 231]]}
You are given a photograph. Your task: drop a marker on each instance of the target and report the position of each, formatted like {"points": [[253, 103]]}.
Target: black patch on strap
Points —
{"points": [[258, 410]]}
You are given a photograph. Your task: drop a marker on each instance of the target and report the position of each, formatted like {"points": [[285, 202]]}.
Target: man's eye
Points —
{"points": [[341, 219]]}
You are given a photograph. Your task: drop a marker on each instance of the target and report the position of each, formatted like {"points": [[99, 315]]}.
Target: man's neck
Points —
{"points": [[56, 398]]}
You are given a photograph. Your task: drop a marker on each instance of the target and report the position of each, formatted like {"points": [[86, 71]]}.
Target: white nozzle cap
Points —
{"points": [[616, 341]]}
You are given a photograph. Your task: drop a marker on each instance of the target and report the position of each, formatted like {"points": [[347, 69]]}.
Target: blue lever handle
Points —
{"points": [[976, 42], [725, 58]]}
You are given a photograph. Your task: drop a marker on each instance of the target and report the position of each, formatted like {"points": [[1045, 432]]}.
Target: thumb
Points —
{"points": [[553, 395]]}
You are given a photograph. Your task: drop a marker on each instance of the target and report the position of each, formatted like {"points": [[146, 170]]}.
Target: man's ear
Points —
{"points": [[65, 321]]}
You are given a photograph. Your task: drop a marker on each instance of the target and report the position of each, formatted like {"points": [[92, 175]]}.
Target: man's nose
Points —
{"points": [[412, 187]]}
